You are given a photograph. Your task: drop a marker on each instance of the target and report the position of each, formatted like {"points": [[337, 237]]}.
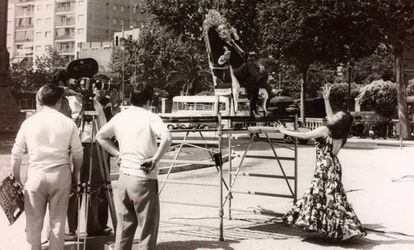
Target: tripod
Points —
{"points": [[84, 188]]}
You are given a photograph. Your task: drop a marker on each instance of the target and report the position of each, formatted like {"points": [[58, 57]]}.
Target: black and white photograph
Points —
{"points": [[206, 124]]}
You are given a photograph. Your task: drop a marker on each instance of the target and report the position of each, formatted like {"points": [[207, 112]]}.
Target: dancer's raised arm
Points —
{"points": [[318, 132], [326, 91]]}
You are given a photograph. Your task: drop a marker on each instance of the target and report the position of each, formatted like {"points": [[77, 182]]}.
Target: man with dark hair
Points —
{"points": [[49, 137], [137, 129]]}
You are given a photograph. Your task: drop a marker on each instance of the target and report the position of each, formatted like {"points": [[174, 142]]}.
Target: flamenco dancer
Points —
{"points": [[324, 208]]}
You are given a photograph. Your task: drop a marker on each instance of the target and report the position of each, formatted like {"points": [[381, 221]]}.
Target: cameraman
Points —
{"points": [[98, 209], [108, 96]]}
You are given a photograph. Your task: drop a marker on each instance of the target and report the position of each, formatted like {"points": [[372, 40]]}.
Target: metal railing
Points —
{"points": [[27, 26], [65, 37], [65, 9]]}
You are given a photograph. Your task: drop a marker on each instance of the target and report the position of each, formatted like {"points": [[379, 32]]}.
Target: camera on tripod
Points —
{"points": [[83, 71]]}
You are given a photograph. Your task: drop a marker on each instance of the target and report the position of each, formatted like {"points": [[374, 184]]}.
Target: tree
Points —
{"points": [[28, 77], [304, 32], [339, 95], [394, 20], [185, 18], [51, 61], [189, 73], [154, 57]]}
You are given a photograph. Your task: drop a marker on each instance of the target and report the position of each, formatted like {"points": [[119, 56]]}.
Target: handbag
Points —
{"points": [[11, 199]]}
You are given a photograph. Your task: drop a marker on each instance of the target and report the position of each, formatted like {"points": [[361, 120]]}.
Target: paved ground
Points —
{"points": [[379, 180]]}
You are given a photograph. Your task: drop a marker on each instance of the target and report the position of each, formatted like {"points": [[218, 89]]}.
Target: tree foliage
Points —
{"points": [[394, 21], [157, 55], [380, 96]]}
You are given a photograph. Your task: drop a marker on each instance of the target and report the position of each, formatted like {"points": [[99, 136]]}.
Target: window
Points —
{"points": [[38, 35], [39, 7], [115, 7], [39, 21], [107, 6], [122, 22], [81, 18], [48, 21], [63, 20], [48, 34], [38, 48], [122, 8], [48, 47], [48, 6], [81, 32], [114, 21]]}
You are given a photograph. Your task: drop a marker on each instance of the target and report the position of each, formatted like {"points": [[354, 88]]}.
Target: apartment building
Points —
{"points": [[34, 26]]}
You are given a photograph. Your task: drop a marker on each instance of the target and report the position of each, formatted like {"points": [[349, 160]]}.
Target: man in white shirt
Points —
{"points": [[49, 138], [137, 130]]}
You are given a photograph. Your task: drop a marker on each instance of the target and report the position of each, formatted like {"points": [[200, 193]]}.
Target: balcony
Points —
{"points": [[24, 1], [23, 53], [22, 40], [24, 13], [65, 9], [67, 51], [65, 37], [66, 48], [68, 22], [64, 33], [24, 27]]}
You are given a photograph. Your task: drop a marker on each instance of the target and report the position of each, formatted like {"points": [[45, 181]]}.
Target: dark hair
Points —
{"points": [[50, 94], [141, 94], [341, 128]]}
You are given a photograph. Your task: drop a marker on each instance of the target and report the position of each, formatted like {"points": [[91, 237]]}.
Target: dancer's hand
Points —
{"points": [[148, 165], [280, 127], [326, 91]]}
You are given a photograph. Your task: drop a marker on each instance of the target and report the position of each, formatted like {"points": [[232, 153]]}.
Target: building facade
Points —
{"points": [[35, 26]]}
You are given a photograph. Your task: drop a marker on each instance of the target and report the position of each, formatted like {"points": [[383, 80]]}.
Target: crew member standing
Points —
{"points": [[49, 138], [137, 130]]}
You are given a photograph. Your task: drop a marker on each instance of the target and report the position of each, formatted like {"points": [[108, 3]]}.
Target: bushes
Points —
{"points": [[380, 96], [339, 95]]}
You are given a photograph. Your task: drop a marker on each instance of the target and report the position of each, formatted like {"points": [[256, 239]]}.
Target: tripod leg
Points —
{"points": [[103, 167], [81, 195]]}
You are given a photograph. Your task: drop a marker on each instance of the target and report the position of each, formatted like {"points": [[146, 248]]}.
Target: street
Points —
{"points": [[373, 178]]}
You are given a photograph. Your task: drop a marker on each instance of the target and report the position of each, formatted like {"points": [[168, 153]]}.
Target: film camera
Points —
{"points": [[83, 71]]}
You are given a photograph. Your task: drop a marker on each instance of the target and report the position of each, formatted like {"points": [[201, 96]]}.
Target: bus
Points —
{"points": [[200, 105], [185, 106]]}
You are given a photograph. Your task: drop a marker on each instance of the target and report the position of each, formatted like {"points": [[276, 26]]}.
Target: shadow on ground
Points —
{"points": [[196, 244], [385, 237]]}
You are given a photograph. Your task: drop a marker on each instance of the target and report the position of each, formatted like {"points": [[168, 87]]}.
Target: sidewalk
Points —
{"points": [[378, 180], [368, 142]]}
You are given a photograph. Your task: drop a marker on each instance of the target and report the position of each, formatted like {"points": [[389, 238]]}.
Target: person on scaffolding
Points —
{"points": [[227, 49]]}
